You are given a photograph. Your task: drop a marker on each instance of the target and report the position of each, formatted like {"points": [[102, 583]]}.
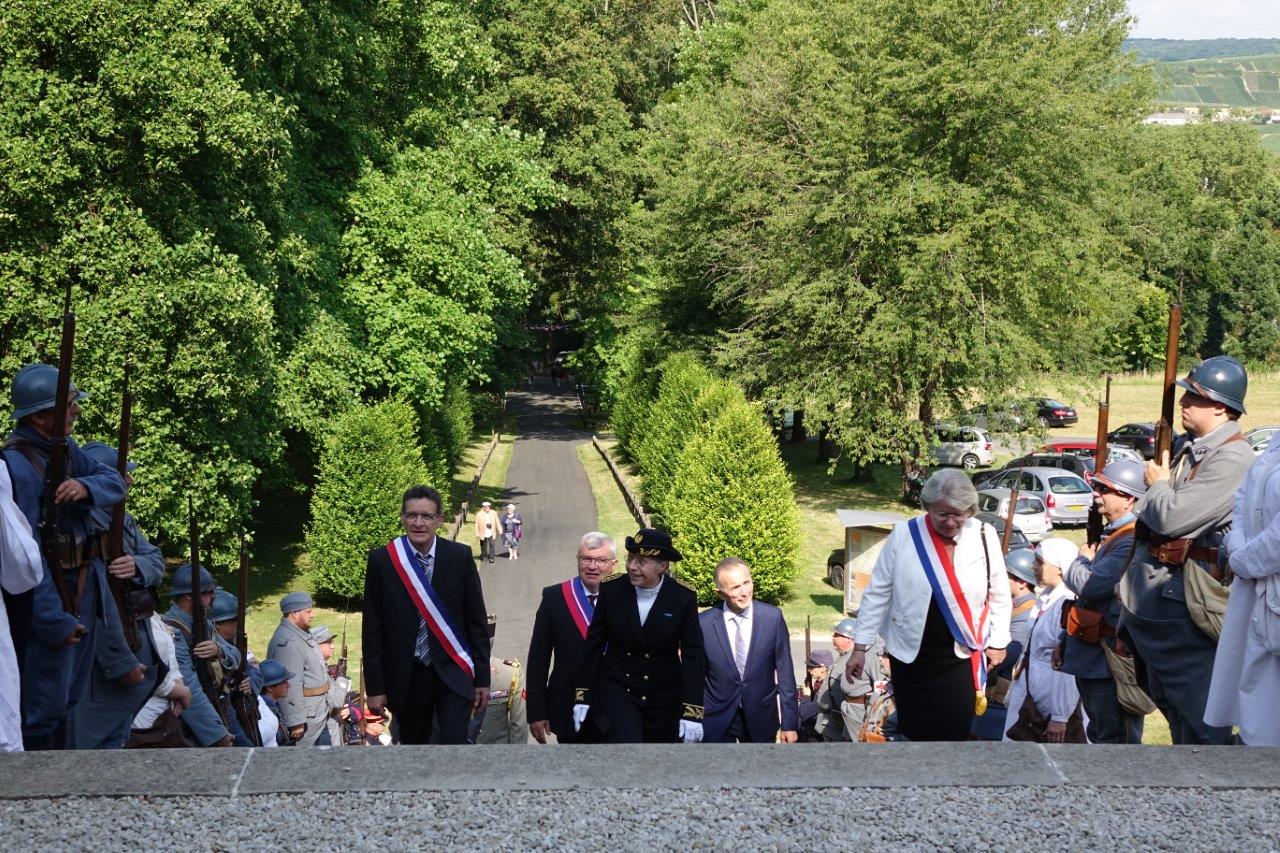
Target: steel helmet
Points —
{"points": [[182, 580], [35, 388], [1219, 378], [1123, 475], [105, 454], [274, 672], [224, 606], [846, 628], [1021, 563]]}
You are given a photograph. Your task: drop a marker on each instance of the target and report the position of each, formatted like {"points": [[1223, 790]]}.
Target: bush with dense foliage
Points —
{"points": [[670, 424], [371, 456]]}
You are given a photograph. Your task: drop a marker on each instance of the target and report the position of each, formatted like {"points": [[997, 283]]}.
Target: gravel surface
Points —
{"points": [[1043, 818]]}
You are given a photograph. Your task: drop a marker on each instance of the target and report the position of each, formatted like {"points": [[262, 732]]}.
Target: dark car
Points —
{"points": [[1077, 465], [1141, 437], [1054, 413], [1017, 539]]}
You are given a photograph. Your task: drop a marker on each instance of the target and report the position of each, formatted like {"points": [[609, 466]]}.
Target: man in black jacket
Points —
{"points": [[560, 631], [644, 668], [425, 628]]}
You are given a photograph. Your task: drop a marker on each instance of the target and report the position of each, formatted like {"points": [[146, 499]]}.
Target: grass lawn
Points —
{"points": [[612, 515], [280, 560]]}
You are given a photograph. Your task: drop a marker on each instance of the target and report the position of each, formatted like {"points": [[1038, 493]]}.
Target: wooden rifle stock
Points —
{"points": [[1093, 533], [1007, 533], [59, 547], [115, 533], [200, 623], [1164, 428], [246, 706]]}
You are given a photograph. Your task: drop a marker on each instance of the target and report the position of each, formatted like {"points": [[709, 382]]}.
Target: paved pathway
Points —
{"points": [[549, 487]]}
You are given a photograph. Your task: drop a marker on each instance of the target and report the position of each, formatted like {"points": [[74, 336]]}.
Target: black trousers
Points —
{"points": [[737, 731], [432, 713], [488, 547], [626, 722]]}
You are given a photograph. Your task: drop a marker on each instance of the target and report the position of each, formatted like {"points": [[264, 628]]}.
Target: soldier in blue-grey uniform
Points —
{"points": [[222, 615], [1020, 565], [203, 720], [339, 685], [1093, 577], [1182, 521], [122, 680], [55, 649], [305, 710], [273, 685]]}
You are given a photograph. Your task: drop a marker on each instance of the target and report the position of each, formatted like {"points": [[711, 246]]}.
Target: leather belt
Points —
{"points": [[1176, 552], [315, 691], [856, 700]]}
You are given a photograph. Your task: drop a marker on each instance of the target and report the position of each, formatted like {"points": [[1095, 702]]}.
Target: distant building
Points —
{"points": [[1275, 119], [1170, 119]]}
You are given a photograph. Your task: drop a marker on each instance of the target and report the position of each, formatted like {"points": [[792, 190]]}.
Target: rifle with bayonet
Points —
{"points": [[1093, 530], [59, 547], [245, 704], [1164, 428], [120, 588], [1007, 534], [200, 625]]}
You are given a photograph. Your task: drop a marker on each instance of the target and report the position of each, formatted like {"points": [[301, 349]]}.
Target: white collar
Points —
{"points": [[431, 552], [641, 592]]}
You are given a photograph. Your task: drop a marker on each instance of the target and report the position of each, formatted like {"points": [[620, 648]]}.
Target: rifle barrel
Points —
{"points": [[115, 533]]}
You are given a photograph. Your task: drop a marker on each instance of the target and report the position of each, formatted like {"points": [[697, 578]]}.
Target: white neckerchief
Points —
{"points": [[646, 597]]}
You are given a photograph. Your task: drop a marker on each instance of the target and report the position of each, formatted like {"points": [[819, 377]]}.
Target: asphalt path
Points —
{"points": [[551, 492]]}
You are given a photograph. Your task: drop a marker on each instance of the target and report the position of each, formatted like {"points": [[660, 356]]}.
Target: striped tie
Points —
{"points": [[422, 646]]}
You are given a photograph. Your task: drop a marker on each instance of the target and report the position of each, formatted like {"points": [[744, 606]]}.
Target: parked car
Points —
{"points": [[1017, 415], [1081, 466], [983, 478], [1029, 515], [1086, 449], [1140, 437], [1017, 539], [1259, 438], [1066, 496], [835, 569], [1001, 417], [968, 447]]}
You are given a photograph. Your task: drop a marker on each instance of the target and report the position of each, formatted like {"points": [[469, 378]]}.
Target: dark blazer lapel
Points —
{"points": [[661, 604], [758, 628], [721, 634], [627, 601]]}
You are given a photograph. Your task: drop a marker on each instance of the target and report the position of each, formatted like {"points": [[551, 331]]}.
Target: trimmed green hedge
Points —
{"points": [[670, 423], [371, 456], [732, 496]]}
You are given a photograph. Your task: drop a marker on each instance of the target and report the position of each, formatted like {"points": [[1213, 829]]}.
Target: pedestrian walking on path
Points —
{"points": [[487, 527], [512, 524]]}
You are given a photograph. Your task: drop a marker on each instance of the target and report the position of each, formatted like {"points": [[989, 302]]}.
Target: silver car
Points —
{"points": [[966, 446], [1030, 516], [1259, 438], [1065, 496]]}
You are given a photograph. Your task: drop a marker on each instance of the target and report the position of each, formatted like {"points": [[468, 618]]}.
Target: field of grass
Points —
{"points": [[1270, 134], [612, 515]]}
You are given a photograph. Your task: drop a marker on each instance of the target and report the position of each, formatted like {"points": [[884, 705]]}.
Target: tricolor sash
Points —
{"points": [[425, 598], [580, 607], [941, 573]]}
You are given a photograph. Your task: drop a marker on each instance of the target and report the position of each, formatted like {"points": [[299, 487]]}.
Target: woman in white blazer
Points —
{"points": [[939, 643]]}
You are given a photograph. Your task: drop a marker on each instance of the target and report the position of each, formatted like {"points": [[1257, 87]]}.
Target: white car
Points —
{"points": [[1030, 516], [966, 446], [1259, 438]]}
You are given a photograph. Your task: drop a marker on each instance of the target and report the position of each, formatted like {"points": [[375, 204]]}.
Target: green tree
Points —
{"points": [[370, 458], [733, 497], [669, 424], [873, 210]]}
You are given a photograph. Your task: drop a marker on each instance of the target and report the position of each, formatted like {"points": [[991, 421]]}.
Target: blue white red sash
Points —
{"points": [[580, 607], [941, 573], [428, 602]]}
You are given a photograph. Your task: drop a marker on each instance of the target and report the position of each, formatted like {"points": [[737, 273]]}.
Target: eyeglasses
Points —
{"points": [[421, 516], [949, 516], [596, 561]]}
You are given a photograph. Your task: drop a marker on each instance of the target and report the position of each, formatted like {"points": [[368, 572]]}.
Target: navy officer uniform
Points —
{"points": [[1182, 522], [55, 675], [644, 668], [104, 717]]}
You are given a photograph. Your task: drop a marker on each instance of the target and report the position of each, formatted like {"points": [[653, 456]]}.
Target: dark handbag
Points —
{"points": [[1031, 725], [166, 733]]}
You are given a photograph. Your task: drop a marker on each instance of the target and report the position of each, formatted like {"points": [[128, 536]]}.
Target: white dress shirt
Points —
{"points": [[646, 597]]}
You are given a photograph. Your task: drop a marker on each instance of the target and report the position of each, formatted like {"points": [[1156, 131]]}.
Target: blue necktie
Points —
{"points": [[422, 646]]}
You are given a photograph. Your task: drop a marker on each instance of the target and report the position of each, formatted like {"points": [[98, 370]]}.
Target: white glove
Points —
{"points": [[579, 716], [690, 732]]}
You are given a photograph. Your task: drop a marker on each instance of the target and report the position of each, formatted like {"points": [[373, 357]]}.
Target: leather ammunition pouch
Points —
{"points": [[143, 602], [1085, 624], [998, 691], [166, 733], [1175, 552]]}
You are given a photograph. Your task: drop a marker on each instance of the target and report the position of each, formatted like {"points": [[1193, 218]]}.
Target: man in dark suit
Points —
{"points": [[644, 667], [560, 631], [426, 636], [749, 669]]}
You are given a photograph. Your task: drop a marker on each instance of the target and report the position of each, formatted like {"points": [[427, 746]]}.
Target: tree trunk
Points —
{"points": [[797, 427], [827, 449]]}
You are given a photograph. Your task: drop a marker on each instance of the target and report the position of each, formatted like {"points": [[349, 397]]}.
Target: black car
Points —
{"points": [[1054, 413], [1080, 466], [1141, 437], [1017, 539]]}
